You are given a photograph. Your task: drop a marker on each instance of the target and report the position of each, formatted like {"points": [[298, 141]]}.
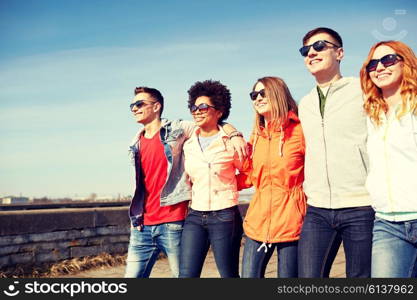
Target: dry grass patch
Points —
{"points": [[65, 267]]}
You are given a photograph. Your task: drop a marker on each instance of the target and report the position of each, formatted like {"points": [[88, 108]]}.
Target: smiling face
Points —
{"points": [[148, 111], [325, 61], [261, 104], [209, 118], [386, 78]]}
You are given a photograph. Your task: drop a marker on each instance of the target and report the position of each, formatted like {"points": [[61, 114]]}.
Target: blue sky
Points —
{"points": [[68, 70]]}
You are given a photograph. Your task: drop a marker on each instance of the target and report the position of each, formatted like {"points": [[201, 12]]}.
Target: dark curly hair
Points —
{"points": [[218, 93]]}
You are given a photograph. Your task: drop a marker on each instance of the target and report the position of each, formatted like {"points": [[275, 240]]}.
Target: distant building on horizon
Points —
{"points": [[14, 200], [95, 197]]}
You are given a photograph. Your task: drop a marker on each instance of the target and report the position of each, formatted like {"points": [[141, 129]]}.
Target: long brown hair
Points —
{"points": [[279, 97], [374, 102]]}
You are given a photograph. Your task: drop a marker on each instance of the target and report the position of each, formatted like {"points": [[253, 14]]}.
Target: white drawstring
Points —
{"points": [[266, 245]]}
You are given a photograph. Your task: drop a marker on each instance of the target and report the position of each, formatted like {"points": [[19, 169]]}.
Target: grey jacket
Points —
{"points": [[336, 161], [176, 189]]}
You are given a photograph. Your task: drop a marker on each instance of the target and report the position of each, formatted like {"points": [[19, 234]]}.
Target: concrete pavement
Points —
{"points": [[161, 269]]}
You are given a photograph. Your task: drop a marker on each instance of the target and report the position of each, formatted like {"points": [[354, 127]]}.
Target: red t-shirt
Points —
{"points": [[155, 169]]}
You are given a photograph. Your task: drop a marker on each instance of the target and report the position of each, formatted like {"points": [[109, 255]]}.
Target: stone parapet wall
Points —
{"points": [[50, 235]]}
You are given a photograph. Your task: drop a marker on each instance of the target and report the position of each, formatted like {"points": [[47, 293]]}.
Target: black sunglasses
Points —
{"points": [[253, 95], [317, 45], [203, 107], [387, 60], [139, 104]]}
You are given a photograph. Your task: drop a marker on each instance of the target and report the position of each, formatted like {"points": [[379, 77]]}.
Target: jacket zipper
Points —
{"points": [[209, 166], [388, 178], [270, 187], [325, 148], [327, 167]]}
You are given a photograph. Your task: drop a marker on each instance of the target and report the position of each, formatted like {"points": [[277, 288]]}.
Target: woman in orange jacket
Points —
{"points": [[277, 209]]}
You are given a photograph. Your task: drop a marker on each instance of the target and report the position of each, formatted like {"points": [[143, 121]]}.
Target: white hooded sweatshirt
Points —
{"points": [[336, 162]]}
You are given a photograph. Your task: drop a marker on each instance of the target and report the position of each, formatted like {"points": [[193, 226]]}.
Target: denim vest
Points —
{"points": [[176, 189]]}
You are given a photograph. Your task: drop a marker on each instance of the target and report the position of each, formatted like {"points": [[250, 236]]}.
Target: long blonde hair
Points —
{"points": [[374, 102], [279, 97]]}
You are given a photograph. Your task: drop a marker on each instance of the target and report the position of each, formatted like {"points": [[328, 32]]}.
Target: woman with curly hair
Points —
{"points": [[276, 211], [211, 162], [389, 83]]}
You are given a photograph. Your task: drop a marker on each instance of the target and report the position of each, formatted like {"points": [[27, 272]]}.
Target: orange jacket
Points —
{"points": [[277, 209]]}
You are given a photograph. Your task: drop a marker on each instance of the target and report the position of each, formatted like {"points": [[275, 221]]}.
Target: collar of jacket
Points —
{"points": [[336, 85], [222, 132], [223, 135], [164, 131], [273, 128]]}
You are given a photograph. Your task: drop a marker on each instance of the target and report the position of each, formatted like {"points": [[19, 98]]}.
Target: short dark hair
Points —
{"points": [[155, 94], [218, 93], [329, 31]]}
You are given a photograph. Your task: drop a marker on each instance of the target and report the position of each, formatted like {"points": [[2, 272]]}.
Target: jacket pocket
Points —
{"points": [[302, 206], [363, 157]]}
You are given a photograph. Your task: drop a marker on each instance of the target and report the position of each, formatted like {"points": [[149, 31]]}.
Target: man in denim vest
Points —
{"points": [[160, 202]]}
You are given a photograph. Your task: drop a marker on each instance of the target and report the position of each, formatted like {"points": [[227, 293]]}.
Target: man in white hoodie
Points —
{"points": [[336, 164]]}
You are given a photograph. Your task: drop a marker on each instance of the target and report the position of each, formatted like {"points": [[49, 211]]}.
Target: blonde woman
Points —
{"points": [[276, 212], [389, 82]]}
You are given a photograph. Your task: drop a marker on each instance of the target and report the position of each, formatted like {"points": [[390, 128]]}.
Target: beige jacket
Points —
{"points": [[212, 173]]}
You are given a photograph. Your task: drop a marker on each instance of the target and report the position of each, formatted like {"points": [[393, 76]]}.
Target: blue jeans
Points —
{"points": [[394, 249], [322, 233], [222, 229], [254, 262], [145, 246]]}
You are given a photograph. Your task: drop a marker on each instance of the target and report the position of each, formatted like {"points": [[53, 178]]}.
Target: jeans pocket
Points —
{"points": [[413, 231], [225, 215], [365, 212], [175, 226]]}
